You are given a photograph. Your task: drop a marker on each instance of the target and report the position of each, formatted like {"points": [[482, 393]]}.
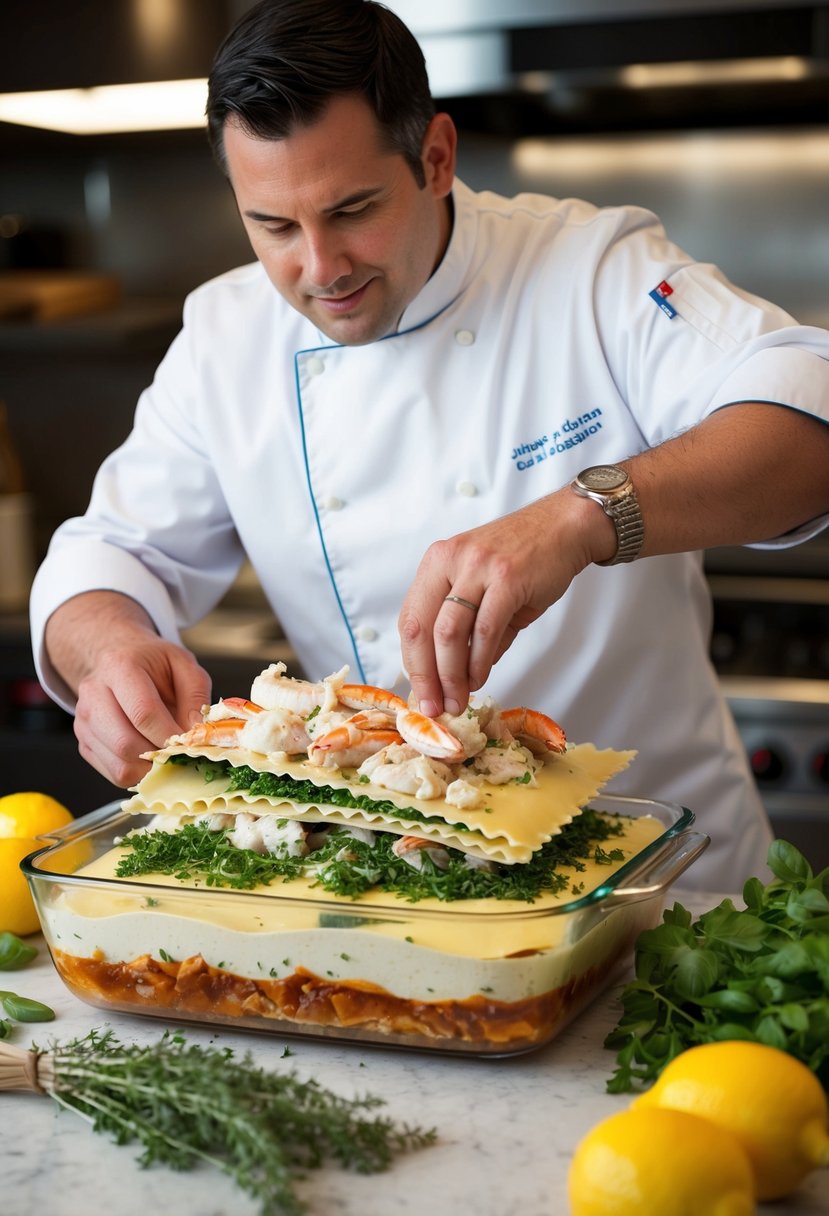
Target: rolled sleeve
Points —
{"points": [[795, 378], [91, 565]]}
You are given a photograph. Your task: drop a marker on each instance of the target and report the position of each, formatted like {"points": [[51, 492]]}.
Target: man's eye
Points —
{"points": [[353, 212]]}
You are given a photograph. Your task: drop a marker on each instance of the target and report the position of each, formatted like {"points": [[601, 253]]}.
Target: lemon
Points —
{"points": [[17, 909], [31, 814], [769, 1100], [653, 1162], [23, 817]]}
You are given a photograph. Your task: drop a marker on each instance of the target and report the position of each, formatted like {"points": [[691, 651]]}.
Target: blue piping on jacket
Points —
{"points": [[297, 355]]}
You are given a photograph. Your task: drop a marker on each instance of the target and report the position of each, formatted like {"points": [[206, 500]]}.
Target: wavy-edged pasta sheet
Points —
{"points": [[515, 822]]}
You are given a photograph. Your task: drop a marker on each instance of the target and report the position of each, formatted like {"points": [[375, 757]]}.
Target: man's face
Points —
{"points": [[343, 230]]}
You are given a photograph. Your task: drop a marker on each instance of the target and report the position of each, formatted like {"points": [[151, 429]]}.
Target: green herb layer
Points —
{"points": [[280, 785], [195, 852]]}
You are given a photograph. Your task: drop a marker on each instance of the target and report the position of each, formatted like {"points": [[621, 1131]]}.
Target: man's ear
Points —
{"points": [[440, 147]]}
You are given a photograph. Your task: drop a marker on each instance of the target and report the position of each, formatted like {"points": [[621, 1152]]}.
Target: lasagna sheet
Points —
{"points": [[515, 821]]}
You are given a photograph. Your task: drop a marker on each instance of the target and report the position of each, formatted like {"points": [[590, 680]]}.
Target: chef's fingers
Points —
{"points": [[106, 738], [134, 702], [191, 686], [504, 612], [453, 619], [470, 640], [419, 663], [483, 654], [416, 625], [454, 627]]}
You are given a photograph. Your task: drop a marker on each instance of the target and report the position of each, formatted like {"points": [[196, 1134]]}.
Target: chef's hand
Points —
{"points": [[508, 572], [134, 689]]}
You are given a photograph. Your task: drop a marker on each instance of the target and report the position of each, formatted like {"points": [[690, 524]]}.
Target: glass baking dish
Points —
{"points": [[482, 982]]}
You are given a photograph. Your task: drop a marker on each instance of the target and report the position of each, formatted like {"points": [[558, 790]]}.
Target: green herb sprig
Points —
{"points": [[187, 1104], [760, 973]]}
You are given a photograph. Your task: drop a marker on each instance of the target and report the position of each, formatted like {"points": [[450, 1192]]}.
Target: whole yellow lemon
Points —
{"points": [[653, 1162], [29, 814], [17, 909], [23, 817], [770, 1101]]}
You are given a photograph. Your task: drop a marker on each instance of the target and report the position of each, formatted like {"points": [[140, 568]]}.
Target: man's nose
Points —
{"points": [[326, 260]]}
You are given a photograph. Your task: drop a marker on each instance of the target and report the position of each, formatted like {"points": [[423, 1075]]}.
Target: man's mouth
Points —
{"points": [[344, 303]]}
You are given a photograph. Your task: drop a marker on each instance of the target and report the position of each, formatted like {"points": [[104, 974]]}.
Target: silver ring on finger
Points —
{"points": [[458, 599]]}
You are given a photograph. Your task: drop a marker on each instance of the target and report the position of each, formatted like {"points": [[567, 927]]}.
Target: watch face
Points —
{"points": [[603, 477]]}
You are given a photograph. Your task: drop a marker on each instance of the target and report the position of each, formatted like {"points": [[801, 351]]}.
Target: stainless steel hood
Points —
{"points": [[509, 66], [532, 66]]}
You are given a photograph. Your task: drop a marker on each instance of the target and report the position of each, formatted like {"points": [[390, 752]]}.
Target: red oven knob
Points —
{"points": [[767, 764], [820, 766]]}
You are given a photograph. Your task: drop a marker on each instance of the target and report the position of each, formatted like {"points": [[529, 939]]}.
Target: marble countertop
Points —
{"points": [[506, 1128]]}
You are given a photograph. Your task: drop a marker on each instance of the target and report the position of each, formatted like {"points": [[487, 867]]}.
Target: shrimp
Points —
{"points": [[231, 707], [366, 696], [348, 745], [535, 729], [266, 731], [414, 850], [222, 733], [370, 719], [429, 736], [272, 689]]}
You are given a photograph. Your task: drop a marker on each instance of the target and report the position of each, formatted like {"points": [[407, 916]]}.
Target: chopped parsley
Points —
{"points": [[195, 852], [280, 785]]}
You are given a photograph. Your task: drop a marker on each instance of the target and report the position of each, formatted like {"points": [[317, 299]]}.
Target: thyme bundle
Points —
{"points": [[187, 1104]]}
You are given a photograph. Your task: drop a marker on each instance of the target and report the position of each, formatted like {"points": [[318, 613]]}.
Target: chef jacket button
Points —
{"points": [[314, 365], [332, 503], [464, 337], [365, 633], [467, 488]]}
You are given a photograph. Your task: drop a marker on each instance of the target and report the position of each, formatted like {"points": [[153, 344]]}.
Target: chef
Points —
{"points": [[467, 442]]}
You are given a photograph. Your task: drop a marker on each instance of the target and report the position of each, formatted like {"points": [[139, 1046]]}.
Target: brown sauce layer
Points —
{"points": [[192, 988]]}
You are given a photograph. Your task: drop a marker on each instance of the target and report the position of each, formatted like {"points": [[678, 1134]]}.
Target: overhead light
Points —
{"points": [[692, 156], [714, 72], [161, 105]]}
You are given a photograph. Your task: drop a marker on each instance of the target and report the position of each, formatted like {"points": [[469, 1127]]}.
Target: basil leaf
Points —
{"points": [[696, 973], [732, 999], [788, 863], [14, 953], [22, 1009]]}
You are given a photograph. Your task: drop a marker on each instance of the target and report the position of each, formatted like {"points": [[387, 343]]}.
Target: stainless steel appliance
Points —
{"points": [[770, 645]]}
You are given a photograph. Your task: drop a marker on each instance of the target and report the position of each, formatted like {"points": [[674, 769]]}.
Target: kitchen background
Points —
{"points": [[713, 113]]}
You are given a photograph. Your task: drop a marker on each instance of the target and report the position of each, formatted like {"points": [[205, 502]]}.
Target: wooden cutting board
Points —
{"points": [[50, 295]]}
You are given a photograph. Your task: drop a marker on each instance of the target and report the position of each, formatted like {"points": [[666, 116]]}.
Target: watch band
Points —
{"points": [[613, 490]]}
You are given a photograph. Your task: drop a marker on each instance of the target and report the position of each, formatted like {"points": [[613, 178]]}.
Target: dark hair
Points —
{"points": [[285, 60]]}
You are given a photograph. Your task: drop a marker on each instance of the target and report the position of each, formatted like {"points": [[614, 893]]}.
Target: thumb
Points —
{"points": [[191, 688]]}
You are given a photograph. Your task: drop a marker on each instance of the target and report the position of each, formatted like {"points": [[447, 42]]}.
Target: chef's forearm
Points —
{"points": [[748, 473], [82, 628]]}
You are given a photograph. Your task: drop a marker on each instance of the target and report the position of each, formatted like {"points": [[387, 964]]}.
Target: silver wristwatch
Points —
{"points": [[612, 489]]}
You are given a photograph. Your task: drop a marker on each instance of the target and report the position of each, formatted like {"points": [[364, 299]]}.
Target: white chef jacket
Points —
{"points": [[552, 336]]}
